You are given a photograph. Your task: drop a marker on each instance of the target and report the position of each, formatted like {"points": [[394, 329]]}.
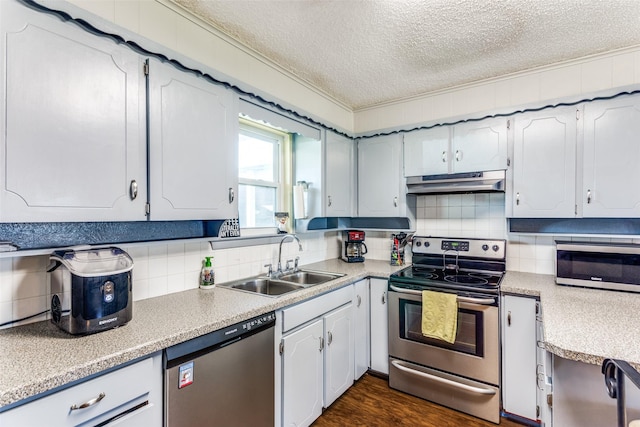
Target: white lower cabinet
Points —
{"points": [[316, 349], [338, 357], [302, 376], [362, 347], [379, 325], [129, 396], [519, 356]]}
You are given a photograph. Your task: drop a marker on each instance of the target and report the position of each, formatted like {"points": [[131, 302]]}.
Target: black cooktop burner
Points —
{"points": [[417, 275], [466, 279]]}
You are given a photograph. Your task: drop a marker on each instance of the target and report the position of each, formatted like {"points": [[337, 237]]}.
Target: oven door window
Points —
{"points": [[469, 338]]}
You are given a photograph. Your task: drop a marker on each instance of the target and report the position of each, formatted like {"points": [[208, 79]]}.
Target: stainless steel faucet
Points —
{"points": [[293, 236]]}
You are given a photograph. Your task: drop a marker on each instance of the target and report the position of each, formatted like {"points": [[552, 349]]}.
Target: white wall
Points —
{"points": [[159, 269], [570, 80]]}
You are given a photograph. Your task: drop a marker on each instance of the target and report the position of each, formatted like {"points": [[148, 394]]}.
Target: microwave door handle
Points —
{"points": [[483, 301], [477, 390]]}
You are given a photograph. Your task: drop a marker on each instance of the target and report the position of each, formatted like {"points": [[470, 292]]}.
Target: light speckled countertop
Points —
{"points": [[579, 324], [38, 357], [586, 325]]}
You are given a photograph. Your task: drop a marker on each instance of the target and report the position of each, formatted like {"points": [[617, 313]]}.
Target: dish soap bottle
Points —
{"points": [[207, 275]]}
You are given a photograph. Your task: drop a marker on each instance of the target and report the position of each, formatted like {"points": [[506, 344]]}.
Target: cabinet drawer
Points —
{"points": [[120, 387], [297, 315]]}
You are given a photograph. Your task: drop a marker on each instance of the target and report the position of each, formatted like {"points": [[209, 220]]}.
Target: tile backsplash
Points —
{"points": [[159, 269], [164, 268]]}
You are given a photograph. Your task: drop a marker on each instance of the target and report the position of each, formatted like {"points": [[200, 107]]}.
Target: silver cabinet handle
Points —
{"points": [[457, 155], [330, 338], [359, 301], [588, 196], [133, 189], [477, 390], [232, 195], [329, 204], [518, 199], [89, 403], [384, 298], [509, 318], [321, 343], [395, 201], [444, 157]]}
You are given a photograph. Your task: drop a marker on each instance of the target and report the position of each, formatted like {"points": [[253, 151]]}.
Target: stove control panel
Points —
{"points": [[480, 248]]}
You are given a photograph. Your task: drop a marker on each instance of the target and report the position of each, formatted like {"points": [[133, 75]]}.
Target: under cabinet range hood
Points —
{"points": [[469, 182]]}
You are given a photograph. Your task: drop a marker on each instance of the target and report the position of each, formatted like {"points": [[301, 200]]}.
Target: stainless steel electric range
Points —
{"points": [[463, 375]]}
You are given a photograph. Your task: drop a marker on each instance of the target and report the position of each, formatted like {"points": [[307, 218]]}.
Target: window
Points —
{"points": [[264, 170]]}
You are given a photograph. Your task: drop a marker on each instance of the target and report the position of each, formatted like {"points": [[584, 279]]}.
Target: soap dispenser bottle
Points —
{"points": [[207, 275]]}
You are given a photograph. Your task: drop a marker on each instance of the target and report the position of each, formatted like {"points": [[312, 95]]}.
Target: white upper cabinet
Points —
{"points": [[475, 146], [479, 146], [380, 190], [73, 123], [339, 170], [611, 157], [544, 164], [193, 132], [426, 151]]}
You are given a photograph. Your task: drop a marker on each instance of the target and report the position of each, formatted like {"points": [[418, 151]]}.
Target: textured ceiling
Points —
{"points": [[366, 52]]}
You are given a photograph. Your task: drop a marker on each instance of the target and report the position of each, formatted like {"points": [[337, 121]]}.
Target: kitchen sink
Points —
{"points": [[283, 284], [263, 286], [306, 277]]}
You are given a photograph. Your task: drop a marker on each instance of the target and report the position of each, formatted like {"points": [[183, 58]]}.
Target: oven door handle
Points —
{"points": [[483, 301], [472, 389]]}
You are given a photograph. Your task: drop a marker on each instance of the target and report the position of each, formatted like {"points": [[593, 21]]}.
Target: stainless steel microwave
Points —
{"points": [[614, 266]]}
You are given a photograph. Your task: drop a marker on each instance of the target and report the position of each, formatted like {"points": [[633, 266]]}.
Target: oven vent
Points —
{"points": [[471, 182]]}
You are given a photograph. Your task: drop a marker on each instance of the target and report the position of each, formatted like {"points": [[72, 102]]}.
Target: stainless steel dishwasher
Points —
{"points": [[224, 378]]}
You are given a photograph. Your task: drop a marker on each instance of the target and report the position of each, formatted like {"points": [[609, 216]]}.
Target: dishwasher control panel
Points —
{"points": [[256, 322]]}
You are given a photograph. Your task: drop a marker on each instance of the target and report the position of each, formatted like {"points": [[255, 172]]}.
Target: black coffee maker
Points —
{"points": [[353, 246]]}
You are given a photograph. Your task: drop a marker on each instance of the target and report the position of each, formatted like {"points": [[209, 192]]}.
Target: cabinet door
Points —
{"points": [[362, 348], [379, 176], [379, 326], [339, 175], [479, 146], [193, 146], [338, 375], [519, 348], [544, 164], [302, 375], [426, 152], [73, 123], [611, 158]]}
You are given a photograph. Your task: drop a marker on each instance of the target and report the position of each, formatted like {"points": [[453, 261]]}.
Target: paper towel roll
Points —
{"points": [[299, 211]]}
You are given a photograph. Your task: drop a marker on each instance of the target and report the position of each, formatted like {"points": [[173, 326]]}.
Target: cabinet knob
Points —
{"points": [[232, 195], [133, 189]]}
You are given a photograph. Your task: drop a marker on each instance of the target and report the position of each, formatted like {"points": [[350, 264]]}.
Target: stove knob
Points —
{"points": [[495, 248], [418, 243], [485, 247]]}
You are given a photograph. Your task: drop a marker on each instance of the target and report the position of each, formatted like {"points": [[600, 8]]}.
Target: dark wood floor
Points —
{"points": [[370, 402]]}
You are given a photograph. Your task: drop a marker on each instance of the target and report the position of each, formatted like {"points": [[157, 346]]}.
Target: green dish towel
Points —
{"points": [[440, 315]]}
